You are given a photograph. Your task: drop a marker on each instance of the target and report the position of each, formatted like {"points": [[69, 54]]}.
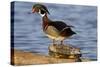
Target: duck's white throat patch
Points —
{"points": [[42, 15]]}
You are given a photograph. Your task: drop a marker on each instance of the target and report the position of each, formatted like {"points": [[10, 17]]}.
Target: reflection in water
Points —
{"points": [[28, 34]]}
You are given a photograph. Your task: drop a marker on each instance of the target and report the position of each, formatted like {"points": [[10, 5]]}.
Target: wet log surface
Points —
{"points": [[19, 57]]}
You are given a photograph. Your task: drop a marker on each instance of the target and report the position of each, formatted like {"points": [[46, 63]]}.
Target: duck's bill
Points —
{"points": [[33, 10]]}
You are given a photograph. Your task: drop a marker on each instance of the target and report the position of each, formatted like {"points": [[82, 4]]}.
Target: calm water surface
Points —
{"points": [[28, 34]]}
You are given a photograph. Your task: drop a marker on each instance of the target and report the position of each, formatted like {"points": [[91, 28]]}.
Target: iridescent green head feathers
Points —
{"points": [[40, 7]]}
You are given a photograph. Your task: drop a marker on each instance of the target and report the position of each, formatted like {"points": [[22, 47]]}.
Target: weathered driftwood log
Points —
{"points": [[19, 57], [64, 51]]}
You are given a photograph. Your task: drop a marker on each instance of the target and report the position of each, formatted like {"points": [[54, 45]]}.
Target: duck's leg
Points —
{"points": [[61, 42], [53, 41]]}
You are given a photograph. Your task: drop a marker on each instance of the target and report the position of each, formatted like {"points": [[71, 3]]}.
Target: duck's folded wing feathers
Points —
{"points": [[59, 25]]}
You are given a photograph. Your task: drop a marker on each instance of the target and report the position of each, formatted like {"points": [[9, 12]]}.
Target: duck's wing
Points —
{"points": [[59, 25]]}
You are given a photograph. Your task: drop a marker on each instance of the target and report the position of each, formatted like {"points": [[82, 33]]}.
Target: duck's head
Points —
{"points": [[41, 9]]}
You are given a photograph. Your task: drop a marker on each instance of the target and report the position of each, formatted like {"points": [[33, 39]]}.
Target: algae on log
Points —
{"points": [[64, 51]]}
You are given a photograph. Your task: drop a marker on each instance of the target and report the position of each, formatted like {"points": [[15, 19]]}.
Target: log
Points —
{"points": [[19, 57], [64, 51]]}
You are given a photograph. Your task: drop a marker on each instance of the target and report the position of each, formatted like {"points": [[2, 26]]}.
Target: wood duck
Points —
{"points": [[56, 30]]}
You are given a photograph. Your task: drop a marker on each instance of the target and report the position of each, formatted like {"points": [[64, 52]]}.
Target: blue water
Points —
{"points": [[28, 34]]}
